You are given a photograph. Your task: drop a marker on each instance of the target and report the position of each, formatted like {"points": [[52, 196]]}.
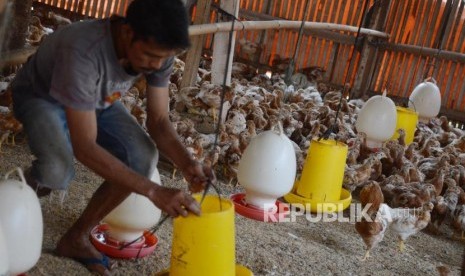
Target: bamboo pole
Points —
{"points": [[278, 24], [202, 29]]}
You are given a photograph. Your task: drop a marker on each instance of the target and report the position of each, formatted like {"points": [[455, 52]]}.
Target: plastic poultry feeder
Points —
{"points": [[320, 186], [205, 244], [408, 120]]}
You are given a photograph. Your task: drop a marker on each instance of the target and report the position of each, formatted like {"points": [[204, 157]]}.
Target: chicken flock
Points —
{"points": [[421, 184]]}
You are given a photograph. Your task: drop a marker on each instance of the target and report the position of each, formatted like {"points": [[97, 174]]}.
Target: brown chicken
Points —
{"points": [[438, 214], [445, 208], [371, 230], [411, 152], [3, 138], [9, 127], [357, 175], [412, 195], [401, 138], [5, 98], [211, 95], [438, 180], [458, 220]]}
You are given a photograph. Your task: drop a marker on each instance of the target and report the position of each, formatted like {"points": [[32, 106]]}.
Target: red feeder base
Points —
{"points": [[111, 247], [276, 214]]}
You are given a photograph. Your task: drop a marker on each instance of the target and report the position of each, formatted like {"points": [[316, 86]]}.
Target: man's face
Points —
{"points": [[147, 56]]}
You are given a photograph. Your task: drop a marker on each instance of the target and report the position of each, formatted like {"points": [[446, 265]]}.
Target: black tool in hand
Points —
{"points": [[205, 191]]}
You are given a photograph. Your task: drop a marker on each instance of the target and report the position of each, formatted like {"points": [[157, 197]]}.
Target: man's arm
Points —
{"points": [[160, 128], [162, 132], [83, 131]]}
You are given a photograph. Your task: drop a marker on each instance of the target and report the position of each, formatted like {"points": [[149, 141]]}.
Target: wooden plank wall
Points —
{"points": [[410, 22], [277, 45], [90, 8], [419, 23]]}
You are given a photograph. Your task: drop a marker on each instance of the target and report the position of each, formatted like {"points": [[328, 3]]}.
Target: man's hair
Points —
{"points": [[165, 21]]}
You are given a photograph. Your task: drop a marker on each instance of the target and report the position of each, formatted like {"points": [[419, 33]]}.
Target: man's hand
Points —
{"points": [[198, 175], [174, 201]]}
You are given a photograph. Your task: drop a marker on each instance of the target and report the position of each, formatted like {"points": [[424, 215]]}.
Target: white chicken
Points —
{"points": [[407, 222]]}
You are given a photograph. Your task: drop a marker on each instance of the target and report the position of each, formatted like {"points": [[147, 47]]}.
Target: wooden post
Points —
{"points": [[5, 17], [369, 51], [17, 30], [202, 16], [2, 5], [450, 9], [261, 40], [220, 47]]}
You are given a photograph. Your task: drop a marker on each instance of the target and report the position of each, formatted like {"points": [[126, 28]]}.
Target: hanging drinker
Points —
{"points": [[426, 100], [267, 171], [126, 223], [378, 111], [21, 222]]}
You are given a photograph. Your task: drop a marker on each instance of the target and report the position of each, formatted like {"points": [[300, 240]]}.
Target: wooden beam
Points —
{"points": [[424, 51], [369, 49], [221, 47], [202, 16]]}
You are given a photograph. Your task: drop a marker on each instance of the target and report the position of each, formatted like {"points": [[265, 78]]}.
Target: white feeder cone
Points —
{"points": [[135, 214], [267, 168], [426, 100], [21, 220], [377, 119], [4, 261]]}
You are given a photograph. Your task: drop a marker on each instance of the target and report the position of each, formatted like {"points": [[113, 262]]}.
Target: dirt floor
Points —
{"points": [[298, 248]]}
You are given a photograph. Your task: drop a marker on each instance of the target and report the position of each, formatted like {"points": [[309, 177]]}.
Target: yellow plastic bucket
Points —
{"points": [[205, 245], [406, 119], [323, 172]]}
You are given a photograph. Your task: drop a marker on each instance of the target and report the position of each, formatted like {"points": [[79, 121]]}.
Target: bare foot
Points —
{"points": [[78, 247]]}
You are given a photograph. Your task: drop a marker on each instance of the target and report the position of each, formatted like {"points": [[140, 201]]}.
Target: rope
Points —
{"points": [[223, 92]]}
